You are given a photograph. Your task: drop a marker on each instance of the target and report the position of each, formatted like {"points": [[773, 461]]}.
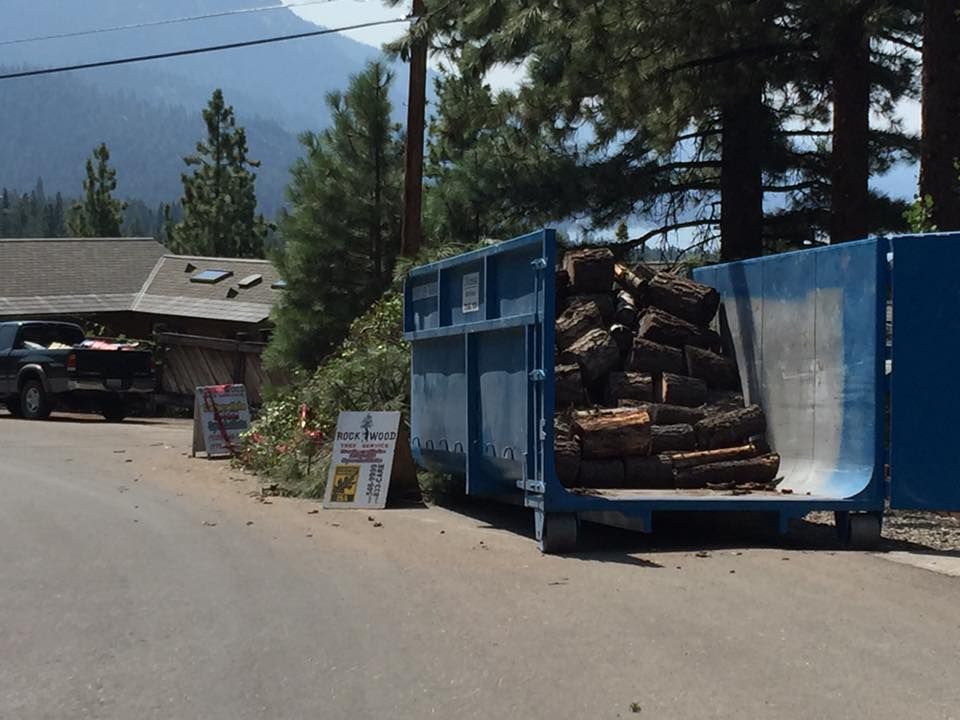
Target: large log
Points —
{"points": [[718, 371], [676, 389], [730, 428], [562, 285], [590, 269], [692, 301], [760, 470], [661, 414], [576, 321], [568, 386], [702, 457], [723, 400], [616, 435], [648, 356], [626, 309], [601, 473], [629, 281], [566, 451], [628, 386], [623, 337], [604, 301], [667, 329], [596, 353], [652, 472], [666, 438]]}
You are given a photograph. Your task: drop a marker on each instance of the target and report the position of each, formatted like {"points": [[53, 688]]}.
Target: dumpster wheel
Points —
{"points": [[860, 531], [557, 532]]}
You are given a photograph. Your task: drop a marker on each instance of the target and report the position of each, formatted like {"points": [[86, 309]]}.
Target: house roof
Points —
{"points": [[73, 275], [171, 289], [76, 276]]}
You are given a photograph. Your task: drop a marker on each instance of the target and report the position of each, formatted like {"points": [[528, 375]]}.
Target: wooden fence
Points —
{"points": [[190, 361]]}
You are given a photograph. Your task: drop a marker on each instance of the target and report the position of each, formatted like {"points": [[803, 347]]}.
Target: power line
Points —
{"points": [[196, 51], [169, 21]]}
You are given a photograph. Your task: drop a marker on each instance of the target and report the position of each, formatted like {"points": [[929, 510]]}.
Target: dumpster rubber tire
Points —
{"points": [[864, 531], [559, 533]]}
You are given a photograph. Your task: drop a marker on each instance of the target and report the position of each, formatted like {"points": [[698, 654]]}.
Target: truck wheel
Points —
{"points": [[557, 533], [115, 412], [34, 403]]}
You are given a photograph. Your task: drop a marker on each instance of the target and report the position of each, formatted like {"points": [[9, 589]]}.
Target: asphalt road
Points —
{"points": [[136, 582]]}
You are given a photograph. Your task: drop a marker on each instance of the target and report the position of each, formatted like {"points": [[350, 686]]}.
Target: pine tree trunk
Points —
{"points": [[741, 173], [940, 144], [850, 158]]}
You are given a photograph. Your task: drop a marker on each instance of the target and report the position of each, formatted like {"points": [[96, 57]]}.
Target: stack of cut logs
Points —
{"points": [[646, 396]]}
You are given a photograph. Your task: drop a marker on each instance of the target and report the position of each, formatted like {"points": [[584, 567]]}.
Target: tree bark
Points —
{"points": [[628, 386], [629, 281], [686, 299], [682, 460], [568, 386], [661, 414], [727, 429], [626, 312], [602, 300], [718, 371], [566, 453], [940, 143], [648, 356], [590, 269], [724, 400], [667, 329], [653, 472], [562, 285], [850, 157], [601, 473], [741, 171], [576, 321], [666, 438], [614, 436], [681, 390], [596, 353], [760, 470]]}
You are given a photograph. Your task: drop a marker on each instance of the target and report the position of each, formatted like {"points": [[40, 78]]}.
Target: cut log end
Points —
{"points": [[681, 390]]}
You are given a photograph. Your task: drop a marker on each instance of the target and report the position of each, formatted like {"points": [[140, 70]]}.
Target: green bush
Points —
{"points": [[289, 443]]}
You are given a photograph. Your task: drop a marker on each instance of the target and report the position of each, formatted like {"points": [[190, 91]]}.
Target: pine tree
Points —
{"points": [[341, 235], [98, 214], [219, 198]]}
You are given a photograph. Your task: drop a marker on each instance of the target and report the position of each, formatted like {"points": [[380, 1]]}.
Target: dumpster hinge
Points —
{"points": [[530, 485], [539, 264], [537, 375]]}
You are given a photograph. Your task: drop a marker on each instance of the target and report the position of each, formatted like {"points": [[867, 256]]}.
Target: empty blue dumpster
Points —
{"points": [[809, 331]]}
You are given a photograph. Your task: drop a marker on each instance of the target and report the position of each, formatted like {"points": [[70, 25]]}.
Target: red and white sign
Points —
{"points": [[221, 414]]}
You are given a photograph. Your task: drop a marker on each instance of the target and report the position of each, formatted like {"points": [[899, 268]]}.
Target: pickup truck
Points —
{"points": [[47, 365]]}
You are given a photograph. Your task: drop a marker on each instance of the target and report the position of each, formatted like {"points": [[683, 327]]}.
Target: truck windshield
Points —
{"points": [[51, 337]]}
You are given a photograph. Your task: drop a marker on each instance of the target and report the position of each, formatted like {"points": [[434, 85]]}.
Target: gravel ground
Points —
{"points": [[911, 529]]}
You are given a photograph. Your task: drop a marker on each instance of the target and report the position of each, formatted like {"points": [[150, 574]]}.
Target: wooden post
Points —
{"points": [[413, 170]]}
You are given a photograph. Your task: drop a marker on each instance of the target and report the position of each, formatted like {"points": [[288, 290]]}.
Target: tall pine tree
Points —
{"points": [[98, 214], [219, 198], [341, 236]]}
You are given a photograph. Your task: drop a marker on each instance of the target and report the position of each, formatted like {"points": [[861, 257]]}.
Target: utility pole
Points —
{"points": [[416, 119]]}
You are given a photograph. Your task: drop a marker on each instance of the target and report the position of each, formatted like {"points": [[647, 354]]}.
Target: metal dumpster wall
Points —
{"points": [[808, 331]]}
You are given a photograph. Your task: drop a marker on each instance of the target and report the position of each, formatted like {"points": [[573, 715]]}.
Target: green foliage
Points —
{"points": [[219, 198], [31, 215], [98, 214], [341, 236], [919, 215], [369, 370]]}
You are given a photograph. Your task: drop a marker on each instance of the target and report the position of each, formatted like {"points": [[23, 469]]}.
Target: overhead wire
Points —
{"points": [[168, 21], [197, 51]]}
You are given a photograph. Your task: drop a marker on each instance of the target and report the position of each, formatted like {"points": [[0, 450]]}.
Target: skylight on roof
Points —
{"points": [[250, 280], [279, 284], [211, 276]]}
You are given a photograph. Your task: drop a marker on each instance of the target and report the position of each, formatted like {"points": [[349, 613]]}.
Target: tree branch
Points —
{"points": [[663, 230]]}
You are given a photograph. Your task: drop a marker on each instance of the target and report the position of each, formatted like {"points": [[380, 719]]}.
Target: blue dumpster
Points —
{"points": [[809, 331]]}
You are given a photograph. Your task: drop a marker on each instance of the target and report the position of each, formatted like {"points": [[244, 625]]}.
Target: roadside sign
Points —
{"points": [[221, 414], [362, 461]]}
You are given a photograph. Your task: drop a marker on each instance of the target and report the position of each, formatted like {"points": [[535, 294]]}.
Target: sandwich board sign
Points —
{"points": [[221, 414], [362, 460]]}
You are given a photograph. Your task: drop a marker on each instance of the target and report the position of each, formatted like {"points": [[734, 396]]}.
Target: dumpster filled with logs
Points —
{"points": [[647, 396]]}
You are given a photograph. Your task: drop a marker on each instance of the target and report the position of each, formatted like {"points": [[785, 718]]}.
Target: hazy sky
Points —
{"points": [[351, 12]]}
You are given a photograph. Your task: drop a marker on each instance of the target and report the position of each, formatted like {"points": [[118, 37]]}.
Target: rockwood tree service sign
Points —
{"points": [[362, 461]]}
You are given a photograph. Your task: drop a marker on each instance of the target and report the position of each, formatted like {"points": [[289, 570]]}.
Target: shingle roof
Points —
{"points": [[75, 275], [61, 276], [169, 290]]}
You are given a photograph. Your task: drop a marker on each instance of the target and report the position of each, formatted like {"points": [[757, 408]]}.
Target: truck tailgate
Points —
{"points": [[113, 364]]}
